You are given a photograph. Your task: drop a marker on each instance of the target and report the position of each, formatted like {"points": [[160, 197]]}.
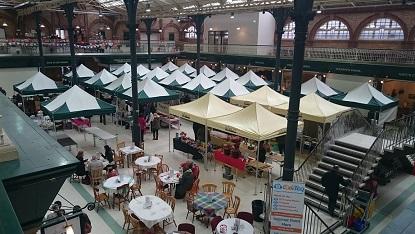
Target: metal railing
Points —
{"points": [[399, 132], [313, 223], [381, 56]]}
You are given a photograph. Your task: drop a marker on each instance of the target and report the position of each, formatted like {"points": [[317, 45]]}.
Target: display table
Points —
{"points": [[165, 121], [80, 123], [185, 147], [237, 163], [100, 134]]}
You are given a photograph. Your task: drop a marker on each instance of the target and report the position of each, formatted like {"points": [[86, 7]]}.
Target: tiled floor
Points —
{"points": [[111, 220]]}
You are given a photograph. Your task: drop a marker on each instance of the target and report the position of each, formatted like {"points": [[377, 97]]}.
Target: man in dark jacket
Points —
{"points": [[331, 181], [184, 185]]}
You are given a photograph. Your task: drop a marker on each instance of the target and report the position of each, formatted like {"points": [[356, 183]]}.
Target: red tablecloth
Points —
{"points": [[81, 122], [238, 163]]}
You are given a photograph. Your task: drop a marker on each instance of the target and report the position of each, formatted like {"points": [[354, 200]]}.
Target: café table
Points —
{"points": [[152, 215], [226, 227], [128, 151], [167, 178], [147, 162], [114, 182]]}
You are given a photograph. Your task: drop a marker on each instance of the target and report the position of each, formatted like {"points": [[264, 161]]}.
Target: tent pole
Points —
{"points": [[116, 115], [256, 170], [24, 109], [206, 142], [169, 131]]}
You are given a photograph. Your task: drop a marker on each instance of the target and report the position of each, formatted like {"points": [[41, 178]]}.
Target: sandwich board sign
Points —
{"points": [[287, 207]]}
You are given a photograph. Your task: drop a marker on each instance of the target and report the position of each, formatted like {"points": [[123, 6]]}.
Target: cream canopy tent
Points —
{"points": [[186, 69], [199, 110], [264, 96], [199, 84], [82, 71], [142, 71], [119, 85], [225, 74], [177, 78], [125, 68], [229, 88], [314, 85], [156, 74], [101, 79], [251, 80], [169, 67], [75, 102], [314, 108], [205, 70], [39, 84]]}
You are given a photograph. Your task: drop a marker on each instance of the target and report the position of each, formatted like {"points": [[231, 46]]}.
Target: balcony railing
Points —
{"points": [[381, 56]]}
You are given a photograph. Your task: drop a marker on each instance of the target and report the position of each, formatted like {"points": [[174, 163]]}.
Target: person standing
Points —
{"points": [[142, 124], [331, 181], [155, 126]]}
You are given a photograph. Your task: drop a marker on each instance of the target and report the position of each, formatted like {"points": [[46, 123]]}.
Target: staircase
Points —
{"points": [[346, 152]]}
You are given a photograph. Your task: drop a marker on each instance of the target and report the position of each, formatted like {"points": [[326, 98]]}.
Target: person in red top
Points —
{"points": [[142, 124]]}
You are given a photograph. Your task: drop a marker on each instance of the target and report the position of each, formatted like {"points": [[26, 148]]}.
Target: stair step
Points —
{"points": [[348, 151], [351, 146], [344, 157], [341, 163], [322, 206], [342, 171], [321, 196]]}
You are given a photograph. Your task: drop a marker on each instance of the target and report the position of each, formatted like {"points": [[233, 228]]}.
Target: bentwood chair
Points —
{"points": [[138, 226], [96, 176], [209, 188], [121, 195], [135, 189], [228, 188], [100, 198], [232, 208], [172, 202], [126, 218], [190, 205]]}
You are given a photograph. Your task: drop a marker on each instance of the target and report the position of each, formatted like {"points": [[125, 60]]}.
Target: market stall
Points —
{"points": [[175, 79], [187, 69], [253, 122], [125, 68], [119, 85], [264, 96], [142, 71], [199, 84], [38, 84], [156, 74], [229, 88], [83, 73], [225, 74], [205, 70], [251, 80], [314, 85], [100, 79], [169, 67], [149, 91], [366, 97]]}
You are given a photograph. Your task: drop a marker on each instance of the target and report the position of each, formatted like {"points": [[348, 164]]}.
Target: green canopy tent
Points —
{"points": [[156, 74], [200, 84], [83, 73], [149, 91], [169, 67], [175, 79], [75, 102], [100, 79], [119, 85], [229, 88], [187, 69], [251, 80]]}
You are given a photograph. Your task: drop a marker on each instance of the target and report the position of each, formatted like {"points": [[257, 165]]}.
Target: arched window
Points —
{"points": [[289, 30], [332, 30], [382, 29], [190, 32]]}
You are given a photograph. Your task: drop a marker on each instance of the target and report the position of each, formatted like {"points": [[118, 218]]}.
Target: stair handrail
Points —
{"points": [[329, 136], [402, 131], [315, 222]]}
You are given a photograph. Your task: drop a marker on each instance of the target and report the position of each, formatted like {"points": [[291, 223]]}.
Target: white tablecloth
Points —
{"points": [[143, 162], [244, 227], [112, 182], [130, 150], [167, 179], [158, 212]]}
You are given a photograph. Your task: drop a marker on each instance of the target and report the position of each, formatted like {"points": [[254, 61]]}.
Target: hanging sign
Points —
{"points": [[287, 207]]}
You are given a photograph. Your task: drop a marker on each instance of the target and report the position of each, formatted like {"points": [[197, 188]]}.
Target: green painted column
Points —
{"points": [[68, 8], [149, 22], [198, 19], [39, 41]]}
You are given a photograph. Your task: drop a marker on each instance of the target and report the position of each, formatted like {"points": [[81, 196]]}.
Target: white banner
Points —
{"points": [[287, 207]]}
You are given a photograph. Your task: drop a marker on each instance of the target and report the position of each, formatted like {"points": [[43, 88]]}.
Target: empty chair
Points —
{"points": [[100, 198], [214, 223], [126, 218], [120, 145], [246, 216], [164, 168], [232, 208], [186, 227], [96, 176], [195, 187], [138, 226], [172, 202], [209, 188], [135, 189], [190, 205], [228, 188], [121, 195]]}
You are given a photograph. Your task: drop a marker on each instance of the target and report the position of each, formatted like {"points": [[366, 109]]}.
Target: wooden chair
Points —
{"points": [[138, 226], [160, 157], [96, 176], [126, 218], [120, 145], [161, 194], [100, 198], [214, 223], [209, 188], [119, 159], [228, 188], [232, 208], [121, 195], [190, 205], [195, 187], [164, 168], [135, 189], [172, 202]]}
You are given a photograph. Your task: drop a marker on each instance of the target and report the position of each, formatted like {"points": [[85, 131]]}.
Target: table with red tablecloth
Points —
{"points": [[81, 123], [238, 163]]}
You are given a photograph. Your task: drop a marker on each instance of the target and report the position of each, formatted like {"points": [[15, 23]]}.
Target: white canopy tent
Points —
{"points": [[156, 74], [251, 80], [125, 68], [199, 84], [264, 96], [142, 71], [102, 78], [169, 67], [177, 78], [119, 85], [205, 70], [229, 88], [82, 71], [314, 85], [37, 84], [225, 74], [187, 69]]}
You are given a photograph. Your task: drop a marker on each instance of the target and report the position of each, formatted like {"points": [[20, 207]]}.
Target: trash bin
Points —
{"points": [[258, 209]]}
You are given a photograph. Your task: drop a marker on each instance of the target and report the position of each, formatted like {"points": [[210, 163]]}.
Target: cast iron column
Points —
{"points": [[302, 14], [280, 16], [148, 23], [131, 6], [39, 41], [69, 16], [198, 19]]}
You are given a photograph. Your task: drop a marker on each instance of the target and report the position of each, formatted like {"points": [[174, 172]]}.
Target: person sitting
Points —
{"points": [[80, 169], [95, 163], [112, 173], [109, 154], [184, 185]]}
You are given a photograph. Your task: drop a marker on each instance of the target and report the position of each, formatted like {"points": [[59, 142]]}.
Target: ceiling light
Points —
{"points": [[136, 29], [232, 15], [160, 30], [100, 13], [318, 10], [238, 28], [5, 24], [77, 27], [254, 21], [381, 81], [42, 25], [210, 29], [108, 28], [148, 7]]}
